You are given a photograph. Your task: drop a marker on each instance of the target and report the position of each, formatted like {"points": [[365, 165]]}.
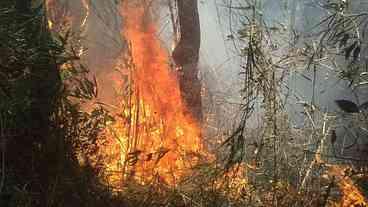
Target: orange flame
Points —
{"points": [[351, 195], [153, 137]]}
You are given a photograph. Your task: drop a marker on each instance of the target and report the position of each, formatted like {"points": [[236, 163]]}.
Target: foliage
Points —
{"points": [[49, 138], [44, 131], [278, 153]]}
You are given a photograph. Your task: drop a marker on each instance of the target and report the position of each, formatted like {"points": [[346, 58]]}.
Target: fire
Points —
{"points": [[235, 180], [351, 195], [152, 137], [49, 5]]}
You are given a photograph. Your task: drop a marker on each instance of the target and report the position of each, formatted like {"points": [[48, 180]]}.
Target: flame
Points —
{"points": [[351, 195], [50, 24], [49, 6], [235, 181], [153, 137]]}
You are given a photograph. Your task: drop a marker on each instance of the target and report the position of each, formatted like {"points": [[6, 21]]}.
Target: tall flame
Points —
{"points": [[153, 137]]}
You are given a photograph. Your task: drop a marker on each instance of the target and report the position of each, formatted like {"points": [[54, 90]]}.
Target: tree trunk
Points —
{"points": [[186, 55]]}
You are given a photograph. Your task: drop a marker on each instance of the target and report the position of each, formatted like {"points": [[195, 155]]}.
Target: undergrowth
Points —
{"points": [[49, 141]]}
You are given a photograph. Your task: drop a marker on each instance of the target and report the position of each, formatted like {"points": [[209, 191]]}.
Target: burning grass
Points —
{"points": [[151, 153], [152, 136], [155, 149]]}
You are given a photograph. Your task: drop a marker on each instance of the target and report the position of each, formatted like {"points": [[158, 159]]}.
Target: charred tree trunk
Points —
{"points": [[186, 56]]}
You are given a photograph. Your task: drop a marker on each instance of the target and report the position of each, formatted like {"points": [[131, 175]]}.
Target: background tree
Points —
{"points": [[186, 56]]}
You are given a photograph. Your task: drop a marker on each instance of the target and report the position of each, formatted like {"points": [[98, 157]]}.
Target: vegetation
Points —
{"points": [[43, 128], [49, 142], [288, 159]]}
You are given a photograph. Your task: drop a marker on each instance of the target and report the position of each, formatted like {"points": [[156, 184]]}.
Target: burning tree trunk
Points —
{"points": [[186, 55]]}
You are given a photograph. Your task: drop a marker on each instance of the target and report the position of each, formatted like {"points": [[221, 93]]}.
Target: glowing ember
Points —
{"points": [[152, 137]]}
